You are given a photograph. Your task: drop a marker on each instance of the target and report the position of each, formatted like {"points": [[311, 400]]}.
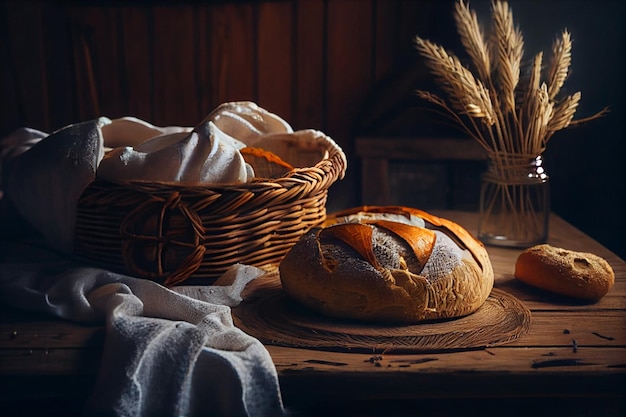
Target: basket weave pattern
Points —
{"points": [[170, 232]]}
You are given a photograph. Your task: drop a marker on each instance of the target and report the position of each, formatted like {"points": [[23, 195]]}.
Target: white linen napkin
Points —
{"points": [[165, 353]]}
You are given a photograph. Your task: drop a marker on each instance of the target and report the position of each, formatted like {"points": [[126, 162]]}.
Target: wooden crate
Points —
{"points": [[426, 173]]}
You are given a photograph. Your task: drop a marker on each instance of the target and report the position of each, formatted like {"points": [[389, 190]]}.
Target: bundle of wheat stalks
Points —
{"points": [[506, 110], [511, 111]]}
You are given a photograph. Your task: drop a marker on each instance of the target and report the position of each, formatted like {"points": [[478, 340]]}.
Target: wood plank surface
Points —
{"points": [[348, 47], [37, 331], [137, 74], [27, 64], [573, 354], [420, 148], [311, 64], [276, 61], [442, 173], [374, 171], [173, 52], [232, 53], [101, 33], [349, 41]]}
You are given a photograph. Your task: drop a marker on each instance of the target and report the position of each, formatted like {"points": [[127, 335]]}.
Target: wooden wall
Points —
{"points": [[313, 62], [346, 67]]}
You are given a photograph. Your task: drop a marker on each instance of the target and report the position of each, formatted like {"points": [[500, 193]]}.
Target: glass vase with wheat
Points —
{"points": [[511, 111]]}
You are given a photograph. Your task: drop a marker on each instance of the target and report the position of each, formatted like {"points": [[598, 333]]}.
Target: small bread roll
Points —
{"points": [[566, 272], [265, 164], [388, 264]]}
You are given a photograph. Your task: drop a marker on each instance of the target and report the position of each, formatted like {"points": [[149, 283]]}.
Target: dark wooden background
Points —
{"points": [[346, 67]]}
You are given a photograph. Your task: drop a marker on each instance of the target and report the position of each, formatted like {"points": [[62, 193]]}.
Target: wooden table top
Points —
{"points": [[573, 357]]}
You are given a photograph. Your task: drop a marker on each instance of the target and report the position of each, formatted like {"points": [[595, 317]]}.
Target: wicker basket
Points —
{"points": [[169, 232]]}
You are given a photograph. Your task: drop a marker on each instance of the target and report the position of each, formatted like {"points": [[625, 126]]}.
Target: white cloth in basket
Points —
{"points": [[165, 354], [45, 174]]}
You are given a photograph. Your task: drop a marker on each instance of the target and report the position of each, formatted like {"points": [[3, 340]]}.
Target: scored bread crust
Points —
{"points": [[340, 283]]}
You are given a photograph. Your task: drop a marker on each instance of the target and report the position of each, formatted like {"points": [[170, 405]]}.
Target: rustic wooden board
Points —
{"points": [[40, 331], [513, 359], [272, 317]]}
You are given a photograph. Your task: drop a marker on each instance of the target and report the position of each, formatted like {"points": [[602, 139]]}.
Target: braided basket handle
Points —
{"points": [[150, 241]]}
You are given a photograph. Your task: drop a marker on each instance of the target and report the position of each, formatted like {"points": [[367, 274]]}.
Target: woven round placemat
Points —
{"points": [[270, 316]]}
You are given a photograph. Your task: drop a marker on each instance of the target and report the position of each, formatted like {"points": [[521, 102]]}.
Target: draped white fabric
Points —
{"points": [[165, 353]]}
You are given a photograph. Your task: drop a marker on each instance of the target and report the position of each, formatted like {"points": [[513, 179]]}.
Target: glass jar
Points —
{"points": [[514, 201]]}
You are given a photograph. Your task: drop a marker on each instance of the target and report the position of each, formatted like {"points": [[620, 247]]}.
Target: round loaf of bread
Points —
{"points": [[388, 264], [574, 274]]}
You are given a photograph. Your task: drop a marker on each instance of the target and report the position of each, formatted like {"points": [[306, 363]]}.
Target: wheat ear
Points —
{"points": [[503, 114], [467, 94], [560, 63], [564, 113], [473, 40], [508, 52]]}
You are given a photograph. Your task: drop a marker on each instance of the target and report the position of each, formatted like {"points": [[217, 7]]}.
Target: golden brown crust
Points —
{"points": [[264, 163], [332, 278], [566, 272]]}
